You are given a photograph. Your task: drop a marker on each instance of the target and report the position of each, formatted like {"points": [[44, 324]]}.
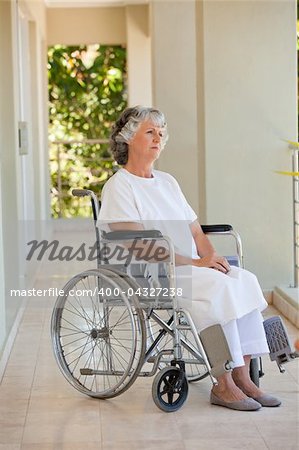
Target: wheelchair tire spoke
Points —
{"points": [[170, 397]]}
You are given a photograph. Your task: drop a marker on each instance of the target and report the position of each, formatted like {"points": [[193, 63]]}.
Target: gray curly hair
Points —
{"points": [[126, 126]]}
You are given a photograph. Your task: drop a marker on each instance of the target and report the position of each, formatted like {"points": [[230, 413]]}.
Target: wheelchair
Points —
{"points": [[107, 329]]}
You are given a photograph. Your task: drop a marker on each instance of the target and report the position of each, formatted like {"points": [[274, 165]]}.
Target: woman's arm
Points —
{"points": [[206, 251], [118, 226]]}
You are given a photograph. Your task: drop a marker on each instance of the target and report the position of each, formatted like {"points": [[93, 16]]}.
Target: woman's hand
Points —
{"points": [[213, 261]]}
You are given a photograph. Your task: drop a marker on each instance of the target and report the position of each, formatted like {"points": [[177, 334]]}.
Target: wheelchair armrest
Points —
{"points": [[218, 228], [122, 235], [156, 234]]}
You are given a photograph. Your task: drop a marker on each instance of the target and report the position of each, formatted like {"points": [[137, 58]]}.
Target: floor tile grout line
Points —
{"points": [[20, 327], [34, 373], [177, 423], [101, 425], [258, 431]]}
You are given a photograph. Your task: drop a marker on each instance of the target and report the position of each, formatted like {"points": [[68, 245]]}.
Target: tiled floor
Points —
{"points": [[40, 410]]}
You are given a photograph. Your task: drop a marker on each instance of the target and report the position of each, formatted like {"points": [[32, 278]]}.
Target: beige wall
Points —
{"points": [[224, 72], [73, 26], [250, 106]]}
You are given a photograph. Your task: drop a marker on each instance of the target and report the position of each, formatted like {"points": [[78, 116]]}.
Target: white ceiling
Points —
{"points": [[91, 3]]}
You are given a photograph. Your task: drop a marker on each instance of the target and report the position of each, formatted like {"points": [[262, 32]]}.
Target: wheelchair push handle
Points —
{"points": [[94, 200], [218, 228], [81, 192]]}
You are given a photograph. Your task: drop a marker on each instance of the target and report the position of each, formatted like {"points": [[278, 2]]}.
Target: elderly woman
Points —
{"points": [[137, 195]]}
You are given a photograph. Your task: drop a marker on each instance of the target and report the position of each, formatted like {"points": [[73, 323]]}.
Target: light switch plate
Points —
{"points": [[23, 138]]}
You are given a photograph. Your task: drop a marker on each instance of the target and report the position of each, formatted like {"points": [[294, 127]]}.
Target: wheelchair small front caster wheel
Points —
{"points": [[170, 389]]}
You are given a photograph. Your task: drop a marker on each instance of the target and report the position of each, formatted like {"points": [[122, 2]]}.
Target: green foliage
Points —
{"points": [[87, 92]]}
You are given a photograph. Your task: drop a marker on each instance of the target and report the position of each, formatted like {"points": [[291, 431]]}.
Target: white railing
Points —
{"points": [[295, 163], [69, 172]]}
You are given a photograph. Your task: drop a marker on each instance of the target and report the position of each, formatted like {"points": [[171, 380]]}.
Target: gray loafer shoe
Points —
{"points": [[267, 400], [248, 404]]}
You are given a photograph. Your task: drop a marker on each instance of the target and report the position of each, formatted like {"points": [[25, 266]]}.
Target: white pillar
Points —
{"points": [[138, 56], [174, 89]]}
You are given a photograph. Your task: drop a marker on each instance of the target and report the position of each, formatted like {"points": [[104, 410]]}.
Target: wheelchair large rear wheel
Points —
{"points": [[98, 334]]}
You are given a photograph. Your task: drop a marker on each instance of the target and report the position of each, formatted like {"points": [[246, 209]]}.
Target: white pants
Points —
{"points": [[246, 336], [214, 297]]}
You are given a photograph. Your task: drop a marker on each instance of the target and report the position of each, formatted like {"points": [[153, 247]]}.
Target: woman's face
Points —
{"points": [[145, 145]]}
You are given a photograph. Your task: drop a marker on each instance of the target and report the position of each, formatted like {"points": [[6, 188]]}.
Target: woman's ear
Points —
{"points": [[131, 140]]}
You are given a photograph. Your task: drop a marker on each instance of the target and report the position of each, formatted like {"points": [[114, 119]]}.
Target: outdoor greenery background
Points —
{"points": [[87, 92]]}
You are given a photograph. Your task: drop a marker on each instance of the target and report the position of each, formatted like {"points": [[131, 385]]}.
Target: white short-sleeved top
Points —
{"points": [[156, 203]]}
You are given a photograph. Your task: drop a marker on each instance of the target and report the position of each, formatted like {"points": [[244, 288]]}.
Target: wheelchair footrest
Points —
{"points": [[278, 341], [217, 350]]}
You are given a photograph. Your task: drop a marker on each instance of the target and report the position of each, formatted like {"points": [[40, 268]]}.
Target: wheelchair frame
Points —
{"points": [[97, 367]]}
